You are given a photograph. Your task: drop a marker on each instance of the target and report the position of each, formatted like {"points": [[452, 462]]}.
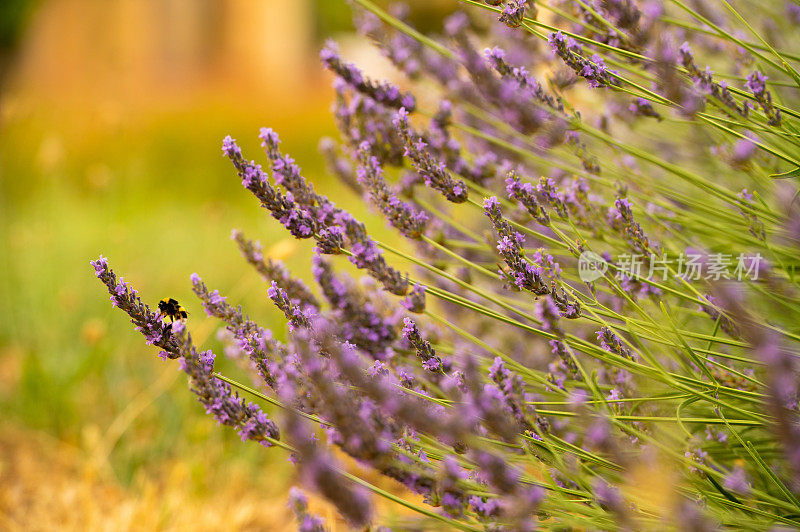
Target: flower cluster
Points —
{"points": [[593, 70], [525, 194], [434, 172], [221, 402], [502, 364], [401, 215], [426, 353], [706, 83], [521, 272], [757, 84], [383, 93]]}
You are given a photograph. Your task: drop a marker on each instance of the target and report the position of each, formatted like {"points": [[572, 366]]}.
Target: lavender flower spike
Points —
{"points": [[297, 317], [757, 84], [612, 343], [415, 300], [383, 92], [297, 220], [225, 405], [425, 351], [432, 171], [522, 273], [306, 522], [257, 343], [513, 389], [149, 323], [400, 214], [514, 12], [524, 193], [594, 71]]}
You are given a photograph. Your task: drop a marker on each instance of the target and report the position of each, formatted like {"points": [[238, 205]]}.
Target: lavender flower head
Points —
{"points": [[382, 92], [408, 220], [525, 194], [220, 401], [306, 522], [432, 171], [514, 12], [430, 361], [475, 381], [296, 219], [594, 70]]}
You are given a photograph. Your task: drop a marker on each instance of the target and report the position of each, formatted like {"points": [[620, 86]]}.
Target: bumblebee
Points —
{"points": [[169, 307]]}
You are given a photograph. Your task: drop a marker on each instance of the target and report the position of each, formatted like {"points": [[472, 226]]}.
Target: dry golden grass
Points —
{"points": [[48, 485]]}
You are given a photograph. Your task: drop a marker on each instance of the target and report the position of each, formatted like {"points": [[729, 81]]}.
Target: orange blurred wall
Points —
{"points": [[165, 49]]}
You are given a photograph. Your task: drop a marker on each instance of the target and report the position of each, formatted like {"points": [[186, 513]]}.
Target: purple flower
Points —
{"points": [[736, 481], [382, 92], [100, 266], [594, 70], [225, 405], [434, 172], [415, 300], [484, 507], [321, 470], [521, 272], [608, 496], [612, 343], [298, 318], [550, 193], [562, 351], [620, 218], [298, 502], [230, 148], [524, 193], [548, 315], [283, 208], [642, 107], [512, 389], [755, 225], [495, 55], [360, 321], [426, 353], [756, 83], [513, 13], [408, 220]]}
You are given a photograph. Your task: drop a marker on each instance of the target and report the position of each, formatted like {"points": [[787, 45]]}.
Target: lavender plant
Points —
{"points": [[589, 317]]}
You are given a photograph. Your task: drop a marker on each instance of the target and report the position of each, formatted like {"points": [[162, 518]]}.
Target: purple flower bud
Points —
{"points": [[381, 92], [612, 343], [594, 70], [415, 300], [756, 83], [401, 215], [524, 194], [433, 172], [426, 353], [513, 13]]}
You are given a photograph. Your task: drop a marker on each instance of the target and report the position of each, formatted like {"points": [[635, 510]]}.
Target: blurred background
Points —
{"points": [[111, 120]]}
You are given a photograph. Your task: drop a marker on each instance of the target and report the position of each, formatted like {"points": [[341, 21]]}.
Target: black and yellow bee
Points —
{"points": [[169, 307]]}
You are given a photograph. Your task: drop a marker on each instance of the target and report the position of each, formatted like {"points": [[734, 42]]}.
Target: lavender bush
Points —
{"points": [[591, 319]]}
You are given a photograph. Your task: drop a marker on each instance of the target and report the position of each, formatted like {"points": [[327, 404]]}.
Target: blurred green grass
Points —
{"points": [[152, 192]]}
